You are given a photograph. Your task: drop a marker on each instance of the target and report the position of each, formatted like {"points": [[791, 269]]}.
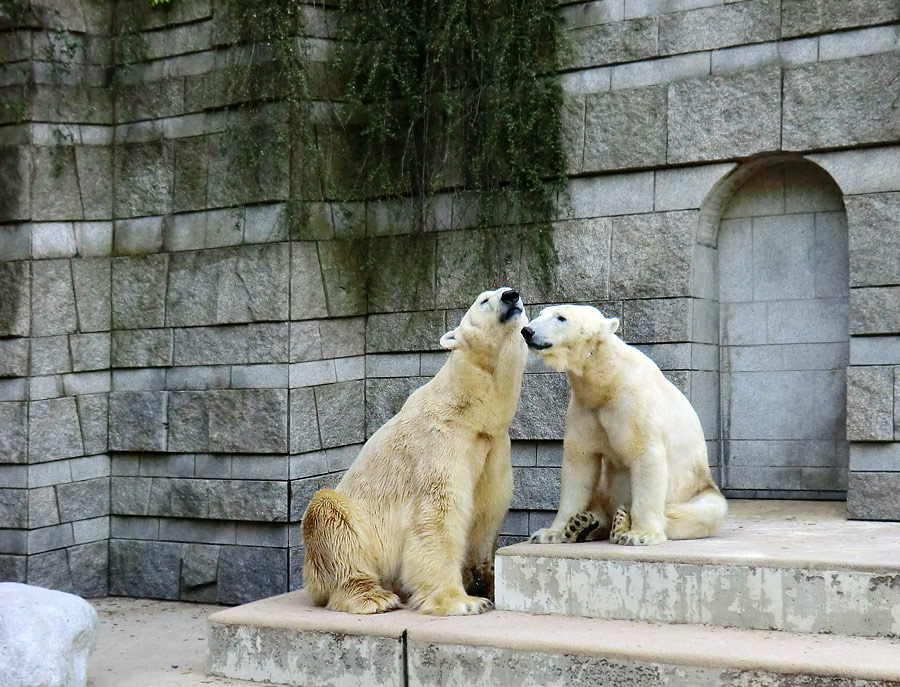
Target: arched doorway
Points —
{"points": [[783, 334]]}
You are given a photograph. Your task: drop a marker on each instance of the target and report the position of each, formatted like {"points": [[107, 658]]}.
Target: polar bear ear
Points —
{"points": [[613, 324], [449, 341]]}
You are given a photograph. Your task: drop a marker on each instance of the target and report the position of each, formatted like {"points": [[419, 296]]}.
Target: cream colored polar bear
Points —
{"points": [[634, 462], [421, 506]]}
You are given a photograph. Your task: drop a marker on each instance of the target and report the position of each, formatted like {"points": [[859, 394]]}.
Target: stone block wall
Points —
{"points": [[181, 367]]}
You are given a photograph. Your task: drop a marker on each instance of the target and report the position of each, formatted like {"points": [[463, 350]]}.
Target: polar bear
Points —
{"points": [[417, 515], [634, 459]]}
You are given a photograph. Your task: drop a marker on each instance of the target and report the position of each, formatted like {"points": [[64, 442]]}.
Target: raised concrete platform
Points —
{"points": [[787, 565], [286, 640]]}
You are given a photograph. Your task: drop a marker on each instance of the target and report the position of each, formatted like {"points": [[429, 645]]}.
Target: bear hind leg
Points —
{"points": [[337, 571], [589, 525], [697, 518]]}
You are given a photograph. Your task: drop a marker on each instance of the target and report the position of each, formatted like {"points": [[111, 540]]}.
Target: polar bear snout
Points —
{"points": [[535, 342], [510, 305]]}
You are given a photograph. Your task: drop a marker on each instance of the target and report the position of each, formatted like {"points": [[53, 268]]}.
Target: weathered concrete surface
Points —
{"points": [[786, 565], [286, 639]]}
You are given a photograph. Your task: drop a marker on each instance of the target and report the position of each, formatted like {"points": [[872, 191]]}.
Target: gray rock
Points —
{"points": [[180, 498], [344, 337], [873, 496], [251, 343], [137, 421], [13, 431], [248, 573], [50, 355], [342, 417], [535, 488], [799, 17], [95, 180], [138, 236], [144, 568], [542, 407], [42, 508], [139, 291], [47, 637], [874, 238], [15, 183], [726, 116], [625, 128], [719, 26], [468, 262], [89, 566], [50, 570], [404, 277], [92, 278], [188, 417], [580, 268], [12, 568], [657, 320], [82, 500], [15, 307], [55, 194], [307, 288], [306, 343], [144, 174], [841, 103], [344, 273], [875, 310], [199, 565], [13, 357], [259, 501], [191, 172], [55, 431], [622, 41], [870, 403], [304, 421], [241, 284], [385, 397], [142, 348], [14, 508], [248, 421], [129, 496], [403, 331], [89, 351], [53, 300], [652, 255]]}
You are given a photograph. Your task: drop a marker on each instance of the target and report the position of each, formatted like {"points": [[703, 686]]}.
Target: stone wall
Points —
{"points": [[181, 367]]}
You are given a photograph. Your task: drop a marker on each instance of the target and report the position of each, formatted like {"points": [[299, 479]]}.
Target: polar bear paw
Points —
{"points": [[462, 605], [545, 535], [584, 526], [623, 534]]}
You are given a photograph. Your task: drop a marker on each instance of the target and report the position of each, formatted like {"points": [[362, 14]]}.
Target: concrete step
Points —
{"points": [[286, 640], [783, 565]]}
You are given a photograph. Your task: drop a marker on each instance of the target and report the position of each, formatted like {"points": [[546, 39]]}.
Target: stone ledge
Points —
{"points": [[773, 566], [285, 639]]}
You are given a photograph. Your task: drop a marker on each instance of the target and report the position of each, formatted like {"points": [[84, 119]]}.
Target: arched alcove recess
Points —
{"points": [[772, 237]]}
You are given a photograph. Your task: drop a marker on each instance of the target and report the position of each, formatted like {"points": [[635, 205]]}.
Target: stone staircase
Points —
{"points": [[789, 594]]}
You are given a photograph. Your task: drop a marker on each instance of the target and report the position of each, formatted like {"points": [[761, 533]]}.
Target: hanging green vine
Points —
{"points": [[456, 94]]}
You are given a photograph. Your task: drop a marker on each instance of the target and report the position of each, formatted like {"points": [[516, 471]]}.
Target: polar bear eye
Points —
{"points": [[560, 318], [484, 301]]}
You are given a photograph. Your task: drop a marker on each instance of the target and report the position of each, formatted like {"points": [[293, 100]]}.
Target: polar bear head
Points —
{"points": [[494, 317], [567, 335]]}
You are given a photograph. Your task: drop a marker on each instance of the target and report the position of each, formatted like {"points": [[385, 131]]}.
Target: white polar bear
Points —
{"points": [[421, 507], [634, 461]]}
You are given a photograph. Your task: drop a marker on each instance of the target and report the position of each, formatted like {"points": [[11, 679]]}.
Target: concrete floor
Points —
{"points": [[146, 643]]}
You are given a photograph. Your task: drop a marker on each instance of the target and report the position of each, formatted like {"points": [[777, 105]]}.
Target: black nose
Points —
{"points": [[527, 333], [510, 296]]}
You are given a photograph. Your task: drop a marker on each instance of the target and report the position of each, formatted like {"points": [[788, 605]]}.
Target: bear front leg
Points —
{"points": [[645, 524], [431, 569], [580, 469], [493, 493]]}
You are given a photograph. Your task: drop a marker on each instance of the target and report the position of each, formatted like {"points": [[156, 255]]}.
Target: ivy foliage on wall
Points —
{"points": [[455, 94]]}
